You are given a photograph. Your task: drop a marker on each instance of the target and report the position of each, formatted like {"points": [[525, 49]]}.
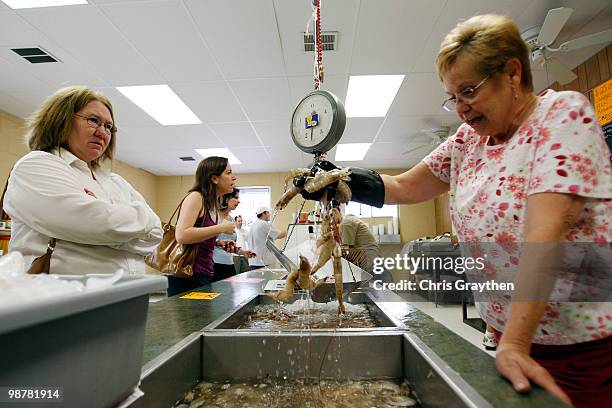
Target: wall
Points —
{"points": [[591, 73], [12, 147]]}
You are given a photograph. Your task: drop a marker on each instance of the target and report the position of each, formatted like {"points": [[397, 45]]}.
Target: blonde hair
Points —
{"points": [[490, 40], [48, 128]]}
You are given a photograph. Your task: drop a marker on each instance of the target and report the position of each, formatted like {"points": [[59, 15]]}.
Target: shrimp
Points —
{"points": [[325, 178], [294, 173], [304, 279], [286, 294], [337, 255], [287, 196], [325, 244], [343, 192]]}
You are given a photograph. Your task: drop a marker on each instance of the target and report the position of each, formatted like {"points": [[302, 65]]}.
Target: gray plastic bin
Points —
{"points": [[88, 344]]}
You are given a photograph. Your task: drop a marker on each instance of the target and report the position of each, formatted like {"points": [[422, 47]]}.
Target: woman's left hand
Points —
{"points": [[515, 364], [226, 245]]}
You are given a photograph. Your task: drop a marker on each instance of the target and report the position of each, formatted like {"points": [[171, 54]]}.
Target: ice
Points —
{"points": [[18, 287]]}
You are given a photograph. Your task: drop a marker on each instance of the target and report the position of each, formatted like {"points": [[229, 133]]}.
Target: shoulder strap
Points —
{"points": [[178, 210]]}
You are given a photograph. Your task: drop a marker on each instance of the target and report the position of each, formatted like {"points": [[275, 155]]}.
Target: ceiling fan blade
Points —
{"points": [[558, 71], [553, 23], [414, 149], [587, 40]]}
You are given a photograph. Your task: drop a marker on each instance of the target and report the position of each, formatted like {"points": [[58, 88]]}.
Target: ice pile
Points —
{"points": [[17, 286]]}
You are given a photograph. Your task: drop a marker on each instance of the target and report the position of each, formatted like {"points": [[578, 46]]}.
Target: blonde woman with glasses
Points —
{"points": [[526, 172], [60, 191]]}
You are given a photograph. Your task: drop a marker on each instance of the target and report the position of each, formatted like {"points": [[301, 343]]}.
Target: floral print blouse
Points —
{"points": [[560, 148]]}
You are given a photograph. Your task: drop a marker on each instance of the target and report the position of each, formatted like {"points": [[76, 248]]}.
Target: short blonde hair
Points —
{"points": [[48, 128], [490, 40]]}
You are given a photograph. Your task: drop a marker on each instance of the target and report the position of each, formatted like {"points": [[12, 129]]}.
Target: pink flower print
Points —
{"points": [[575, 157], [543, 137], [505, 237], [496, 307], [495, 154]]}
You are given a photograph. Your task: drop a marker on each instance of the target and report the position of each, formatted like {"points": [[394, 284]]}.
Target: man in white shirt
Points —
{"points": [[256, 239]]}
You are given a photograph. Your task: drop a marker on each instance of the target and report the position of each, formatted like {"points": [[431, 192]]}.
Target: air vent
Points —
{"points": [[35, 55], [329, 39], [187, 158]]}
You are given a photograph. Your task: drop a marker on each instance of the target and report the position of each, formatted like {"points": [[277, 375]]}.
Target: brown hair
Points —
{"points": [[490, 40], [226, 197], [48, 128], [210, 166]]}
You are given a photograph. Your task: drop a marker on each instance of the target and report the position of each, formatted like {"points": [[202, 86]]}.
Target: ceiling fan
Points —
{"points": [[436, 137], [541, 38]]}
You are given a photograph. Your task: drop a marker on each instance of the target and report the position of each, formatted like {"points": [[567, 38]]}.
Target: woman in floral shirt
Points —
{"points": [[523, 168]]}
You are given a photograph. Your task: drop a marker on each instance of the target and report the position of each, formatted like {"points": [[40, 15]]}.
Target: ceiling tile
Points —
{"points": [[264, 99], [88, 34], [236, 134], [252, 155], [175, 51], [391, 33], [246, 43], [403, 129], [458, 10], [420, 94], [166, 138], [274, 133], [210, 101], [14, 106], [303, 85], [360, 130], [14, 79], [337, 15]]}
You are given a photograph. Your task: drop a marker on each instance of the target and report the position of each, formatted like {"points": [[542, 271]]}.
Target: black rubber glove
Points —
{"points": [[367, 187]]}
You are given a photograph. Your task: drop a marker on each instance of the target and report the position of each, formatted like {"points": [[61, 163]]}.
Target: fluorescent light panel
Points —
{"points": [[351, 151], [222, 152], [23, 4], [161, 103], [370, 96]]}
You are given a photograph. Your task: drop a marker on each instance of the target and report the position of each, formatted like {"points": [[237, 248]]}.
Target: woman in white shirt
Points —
{"points": [[59, 190]]}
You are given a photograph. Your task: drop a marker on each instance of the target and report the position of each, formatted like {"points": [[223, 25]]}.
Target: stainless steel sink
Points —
{"points": [[238, 316], [246, 356]]}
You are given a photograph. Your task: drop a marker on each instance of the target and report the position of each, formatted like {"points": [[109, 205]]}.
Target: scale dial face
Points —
{"points": [[318, 122]]}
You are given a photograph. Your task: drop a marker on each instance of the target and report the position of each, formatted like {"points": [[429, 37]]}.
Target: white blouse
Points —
{"points": [[46, 198]]}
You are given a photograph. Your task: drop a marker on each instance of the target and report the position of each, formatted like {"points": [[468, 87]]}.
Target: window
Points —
{"points": [[251, 198], [367, 211]]}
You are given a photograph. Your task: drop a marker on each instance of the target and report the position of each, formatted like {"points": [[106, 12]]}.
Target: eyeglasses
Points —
{"points": [[467, 95], [95, 123]]}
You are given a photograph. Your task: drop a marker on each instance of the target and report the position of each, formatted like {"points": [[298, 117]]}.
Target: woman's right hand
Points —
{"points": [[227, 227]]}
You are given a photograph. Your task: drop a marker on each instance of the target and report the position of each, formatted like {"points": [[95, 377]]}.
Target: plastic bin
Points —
{"points": [[88, 344]]}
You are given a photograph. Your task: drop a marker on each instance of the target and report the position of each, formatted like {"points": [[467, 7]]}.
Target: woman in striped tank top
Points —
{"points": [[199, 222]]}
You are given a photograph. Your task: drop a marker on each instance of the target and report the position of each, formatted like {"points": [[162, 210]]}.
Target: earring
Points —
{"points": [[515, 94]]}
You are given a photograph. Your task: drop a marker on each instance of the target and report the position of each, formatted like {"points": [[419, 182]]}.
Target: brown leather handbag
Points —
{"points": [[170, 257], [42, 264]]}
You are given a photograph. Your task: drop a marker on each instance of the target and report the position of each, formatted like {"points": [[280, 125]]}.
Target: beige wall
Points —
{"points": [[12, 147]]}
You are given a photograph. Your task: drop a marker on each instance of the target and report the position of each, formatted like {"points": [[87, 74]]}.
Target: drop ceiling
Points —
{"points": [[240, 66]]}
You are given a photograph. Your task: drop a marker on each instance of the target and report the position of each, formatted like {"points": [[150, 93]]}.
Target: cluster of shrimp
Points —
{"points": [[320, 180], [327, 248]]}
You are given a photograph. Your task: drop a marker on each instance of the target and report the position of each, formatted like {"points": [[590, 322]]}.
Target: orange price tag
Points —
{"points": [[200, 295], [603, 102]]}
